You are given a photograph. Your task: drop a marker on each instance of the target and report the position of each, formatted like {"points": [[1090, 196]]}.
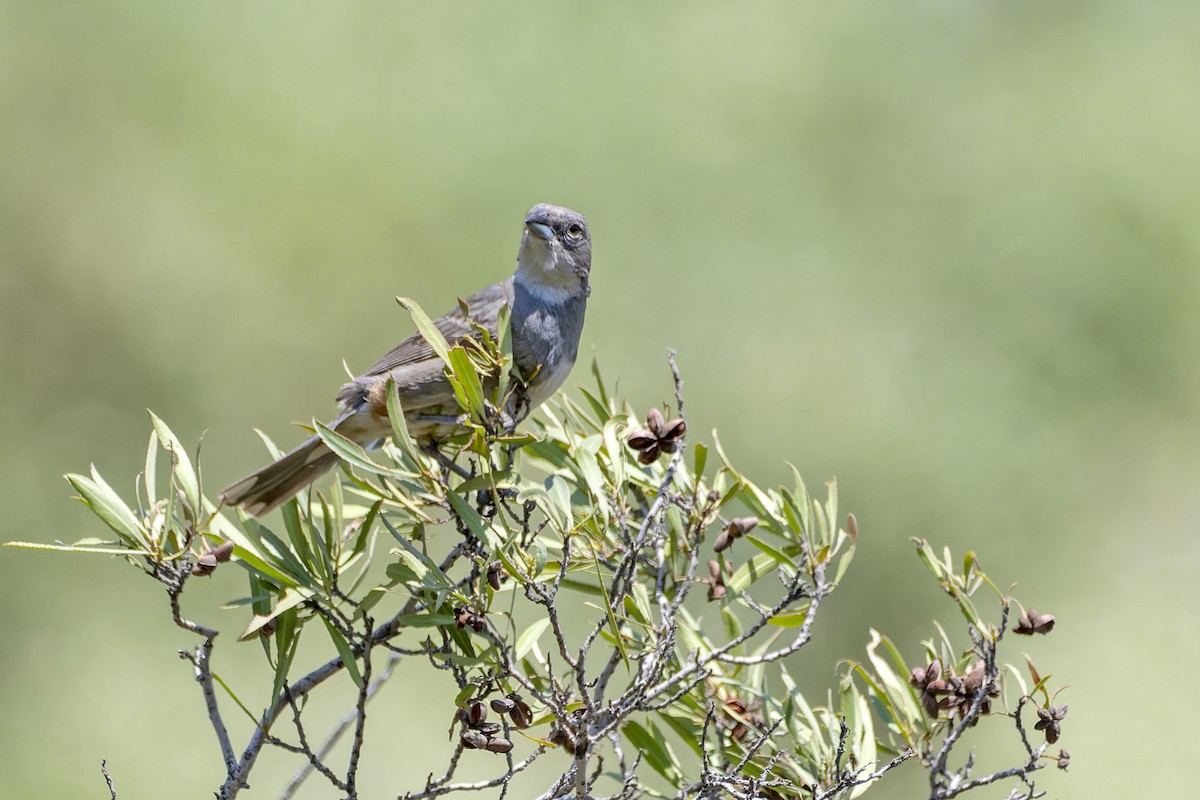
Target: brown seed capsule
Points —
{"points": [[489, 728], [1064, 759], [499, 745], [496, 575], [740, 526], [521, 714], [641, 439], [268, 628], [223, 552], [204, 565], [474, 740], [974, 679], [676, 428], [476, 713], [1043, 623], [723, 541], [716, 590], [655, 422], [465, 617], [502, 705], [714, 568], [650, 455]]}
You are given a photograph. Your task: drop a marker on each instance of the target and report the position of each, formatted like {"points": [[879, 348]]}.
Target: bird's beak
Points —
{"points": [[538, 223]]}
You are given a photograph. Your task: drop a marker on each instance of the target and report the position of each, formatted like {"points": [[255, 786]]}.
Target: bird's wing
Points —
{"points": [[484, 306]]}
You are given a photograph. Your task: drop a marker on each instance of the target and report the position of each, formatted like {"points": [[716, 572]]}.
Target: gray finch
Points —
{"points": [[547, 297]]}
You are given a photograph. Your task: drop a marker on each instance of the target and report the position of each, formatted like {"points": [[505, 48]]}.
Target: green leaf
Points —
{"points": [[73, 548], [399, 428], [106, 504], [790, 619], [290, 599], [253, 719], [894, 680], [504, 329], [478, 526], [699, 459], [464, 372], [745, 575], [530, 635], [685, 728], [655, 750], [426, 327], [618, 640], [343, 648], [182, 471], [600, 381], [778, 555], [351, 452], [427, 573], [150, 477]]}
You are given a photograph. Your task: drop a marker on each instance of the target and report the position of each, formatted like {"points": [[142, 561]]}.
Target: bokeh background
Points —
{"points": [[945, 251]]}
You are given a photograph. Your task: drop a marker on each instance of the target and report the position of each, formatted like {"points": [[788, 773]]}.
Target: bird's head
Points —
{"points": [[555, 258]]}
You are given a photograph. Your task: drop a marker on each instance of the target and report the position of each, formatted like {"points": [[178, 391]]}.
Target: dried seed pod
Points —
{"points": [[716, 590], [1064, 759], [974, 679], [1048, 722], [496, 575], [474, 740], [205, 564], [924, 677], [740, 526], [465, 617], [641, 439], [723, 541], [1032, 622], [714, 568], [499, 745], [521, 715], [223, 552], [476, 713], [268, 628], [676, 428], [656, 423], [489, 728], [502, 705], [651, 455]]}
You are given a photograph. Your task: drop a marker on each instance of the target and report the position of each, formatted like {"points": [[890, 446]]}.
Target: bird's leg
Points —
{"points": [[447, 463]]}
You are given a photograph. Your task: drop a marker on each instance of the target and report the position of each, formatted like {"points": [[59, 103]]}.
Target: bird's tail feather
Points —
{"points": [[275, 483]]}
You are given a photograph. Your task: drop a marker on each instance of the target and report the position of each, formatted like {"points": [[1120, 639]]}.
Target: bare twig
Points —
{"points": [[200, 659], [112, 790], [338, 730]]}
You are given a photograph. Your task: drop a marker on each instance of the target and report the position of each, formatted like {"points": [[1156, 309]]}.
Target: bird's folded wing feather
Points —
{"points": [[484, 306]]}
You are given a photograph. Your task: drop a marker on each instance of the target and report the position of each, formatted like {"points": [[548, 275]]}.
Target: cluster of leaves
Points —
{"points": [[563, 599]]}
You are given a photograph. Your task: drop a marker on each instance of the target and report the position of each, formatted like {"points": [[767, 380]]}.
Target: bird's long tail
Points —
{"points": [[275, 483]]}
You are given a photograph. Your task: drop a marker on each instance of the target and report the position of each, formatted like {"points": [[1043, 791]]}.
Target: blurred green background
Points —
{"points": [[944, 251]]}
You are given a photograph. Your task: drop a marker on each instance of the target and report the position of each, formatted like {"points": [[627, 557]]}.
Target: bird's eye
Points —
{"points": [[575, 231]]}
